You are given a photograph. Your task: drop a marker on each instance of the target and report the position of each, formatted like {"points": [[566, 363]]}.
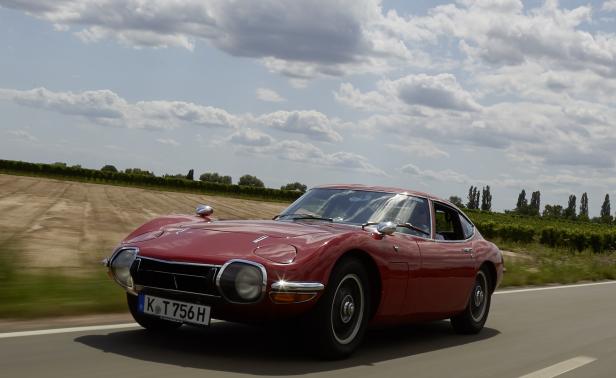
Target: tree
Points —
{"points": [[535, 203], [191, 175], [109, 168], [295, 186], [522, 204], [486, 200], [58, 164], [571, 206], [553, 211], [606, 211], [473, 198], [248, 180], [584, 207], [477, 194], [215, 177], [138, 171], [457, 201]]}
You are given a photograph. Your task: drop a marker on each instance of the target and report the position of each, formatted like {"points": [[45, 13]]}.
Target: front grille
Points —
{"points": [[166, 275]]}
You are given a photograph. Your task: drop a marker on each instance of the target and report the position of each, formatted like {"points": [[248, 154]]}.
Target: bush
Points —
{"points": [[109, 168], [248, 180], [215, 177], [295, 186]]}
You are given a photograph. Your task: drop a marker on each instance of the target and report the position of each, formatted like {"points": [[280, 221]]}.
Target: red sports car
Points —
{"points": [[340, 258]]}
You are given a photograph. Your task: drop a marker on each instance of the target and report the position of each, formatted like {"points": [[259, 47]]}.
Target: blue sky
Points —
{"points": [[433, 96]]}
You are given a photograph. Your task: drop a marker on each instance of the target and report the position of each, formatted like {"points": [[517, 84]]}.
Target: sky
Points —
{"points": [[427, 95]]}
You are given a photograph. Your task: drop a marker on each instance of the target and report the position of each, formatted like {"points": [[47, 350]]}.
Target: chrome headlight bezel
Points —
{"points": [[125, 256], [226, 281]]}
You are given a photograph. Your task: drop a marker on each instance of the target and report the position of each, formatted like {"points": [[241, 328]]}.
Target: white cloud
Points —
{"points": [[609, 6], [420, 147], [168, 141], [440, 91], [250, 137], [445, 175], [311, 123], [287, 35], [268, 95], [303, 152], [505, 33], [106, 108], [23, 135]]}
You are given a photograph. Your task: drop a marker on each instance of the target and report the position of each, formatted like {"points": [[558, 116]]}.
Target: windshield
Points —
{"points": [[358, 207]]}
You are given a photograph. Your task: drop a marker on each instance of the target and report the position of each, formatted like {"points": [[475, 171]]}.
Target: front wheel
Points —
{"points": [[339, 321], [148, 322], [474, 316]]}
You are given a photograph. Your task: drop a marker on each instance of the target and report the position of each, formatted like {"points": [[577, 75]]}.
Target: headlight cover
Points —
{"points": [[120, 266], [242, 281]]}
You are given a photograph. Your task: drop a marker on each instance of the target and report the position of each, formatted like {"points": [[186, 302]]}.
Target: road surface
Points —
{"points": [[564, 331]]}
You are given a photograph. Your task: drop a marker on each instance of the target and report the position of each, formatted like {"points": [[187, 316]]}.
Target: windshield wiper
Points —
{"points": [[406, 225], [414, 228], [303, 216]]}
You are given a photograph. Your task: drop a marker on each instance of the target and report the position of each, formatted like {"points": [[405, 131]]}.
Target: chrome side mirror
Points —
{"points": [[204, 210], [386, 228]]}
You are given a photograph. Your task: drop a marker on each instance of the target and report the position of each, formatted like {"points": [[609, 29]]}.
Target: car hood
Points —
{"points": [[219, 241]]}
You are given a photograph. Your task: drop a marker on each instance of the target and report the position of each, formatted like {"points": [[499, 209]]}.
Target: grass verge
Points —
{"points": [[33, 294], [554, 266]]}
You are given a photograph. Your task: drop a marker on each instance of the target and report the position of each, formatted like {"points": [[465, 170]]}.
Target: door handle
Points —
{"points": [[467, 250]]}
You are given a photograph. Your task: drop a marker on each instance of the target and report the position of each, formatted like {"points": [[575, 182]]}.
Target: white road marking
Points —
{"points": [[553, 287], [560, 368], [67, 330]]}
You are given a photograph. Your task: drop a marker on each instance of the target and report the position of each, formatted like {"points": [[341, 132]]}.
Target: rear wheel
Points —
{"points": [[339, 321], [474, 316], [146, 321]]}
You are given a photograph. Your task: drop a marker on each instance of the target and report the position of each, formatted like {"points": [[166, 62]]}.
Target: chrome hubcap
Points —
{"points": [[478, 295], [347, 309], [478, 300]]}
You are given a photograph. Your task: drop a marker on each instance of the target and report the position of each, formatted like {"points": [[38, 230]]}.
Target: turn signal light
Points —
{"points": [[290, 297]]}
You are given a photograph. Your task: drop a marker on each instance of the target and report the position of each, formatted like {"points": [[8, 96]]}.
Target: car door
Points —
{"points": [[447, 269], [404, 258]]}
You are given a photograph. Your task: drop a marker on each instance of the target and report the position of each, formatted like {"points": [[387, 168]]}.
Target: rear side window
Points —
{"points": [[467, 227], [448, 226]]}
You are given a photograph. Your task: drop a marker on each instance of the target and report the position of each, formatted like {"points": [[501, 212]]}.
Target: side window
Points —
{"points": [[467, 227], [448, 226], [416, 211]]}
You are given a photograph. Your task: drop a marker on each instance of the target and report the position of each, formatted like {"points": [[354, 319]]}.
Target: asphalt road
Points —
{"points": [[539, 333]]}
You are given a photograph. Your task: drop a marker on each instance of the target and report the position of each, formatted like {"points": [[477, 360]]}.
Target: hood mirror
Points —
{"points": [[386, 228], [204, 210]]}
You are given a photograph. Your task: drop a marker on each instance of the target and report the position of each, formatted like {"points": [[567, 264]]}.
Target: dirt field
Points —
{"points": [[62, 224]]}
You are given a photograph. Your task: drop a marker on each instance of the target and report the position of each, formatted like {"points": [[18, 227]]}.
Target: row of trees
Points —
{"points": [[212, 177], [138, 177], [482, 200], [558, 211], [476, 200]]}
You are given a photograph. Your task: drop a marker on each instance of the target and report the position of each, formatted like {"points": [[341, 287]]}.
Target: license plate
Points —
{"points": [[174, 310]]}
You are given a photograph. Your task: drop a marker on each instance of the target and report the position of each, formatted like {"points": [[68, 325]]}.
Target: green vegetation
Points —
{"points": [[250, 181], [31, 294], [544, 265], [564, 234], [215, 177], [250, 187], [297, 186]]}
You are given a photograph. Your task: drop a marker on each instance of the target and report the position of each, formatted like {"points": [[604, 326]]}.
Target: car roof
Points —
{"points": [[386, 189]]}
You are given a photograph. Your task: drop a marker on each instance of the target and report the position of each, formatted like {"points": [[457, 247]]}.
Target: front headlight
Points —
{"points": [[120, 266], [242, 281]]}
